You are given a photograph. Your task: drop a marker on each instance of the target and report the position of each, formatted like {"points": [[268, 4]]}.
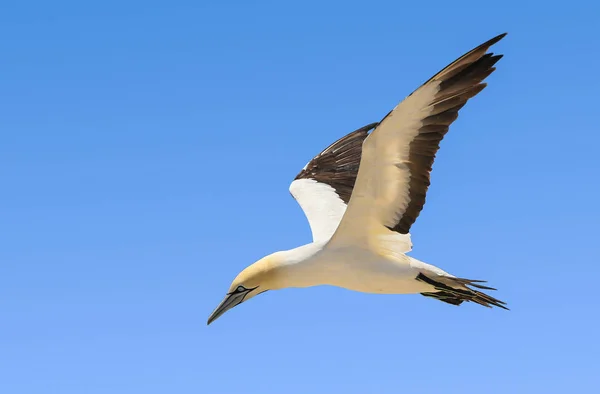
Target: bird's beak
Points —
{"points": [[231, 300]]}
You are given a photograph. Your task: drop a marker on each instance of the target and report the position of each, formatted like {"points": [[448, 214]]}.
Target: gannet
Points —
{"points": [[362, 194]]}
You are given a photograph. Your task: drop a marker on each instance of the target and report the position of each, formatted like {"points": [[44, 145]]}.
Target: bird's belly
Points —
{"points": [[369, 273]]}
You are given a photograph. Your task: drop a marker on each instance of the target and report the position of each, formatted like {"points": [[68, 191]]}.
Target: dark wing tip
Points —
{"points": [[490, 42], [494, 40], [367, 127], [481, 50]]}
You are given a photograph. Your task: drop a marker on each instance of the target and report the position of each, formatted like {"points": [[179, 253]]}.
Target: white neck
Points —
{"points": [[301, 266]]}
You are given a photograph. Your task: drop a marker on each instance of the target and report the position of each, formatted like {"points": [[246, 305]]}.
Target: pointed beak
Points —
{"points": [[230, 301]]}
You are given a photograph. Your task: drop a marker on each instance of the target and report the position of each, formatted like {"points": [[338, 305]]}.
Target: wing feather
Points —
{"points": [[397, 157], [323, 187]]}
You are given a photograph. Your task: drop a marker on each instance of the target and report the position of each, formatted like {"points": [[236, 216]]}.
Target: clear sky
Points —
{"points": [[145, 155]]}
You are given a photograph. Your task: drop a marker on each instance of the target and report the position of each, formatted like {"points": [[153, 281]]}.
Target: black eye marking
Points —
{"points": [[241, 289]]}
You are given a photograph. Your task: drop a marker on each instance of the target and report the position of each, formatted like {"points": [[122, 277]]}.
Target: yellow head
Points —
{"points": [[255, 279]]}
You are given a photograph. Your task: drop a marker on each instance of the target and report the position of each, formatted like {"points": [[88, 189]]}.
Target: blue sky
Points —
{"points": [[145, 154]]}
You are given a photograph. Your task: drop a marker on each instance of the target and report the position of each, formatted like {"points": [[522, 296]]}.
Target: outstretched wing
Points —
{"points": [[323, 187], [398, 155]]}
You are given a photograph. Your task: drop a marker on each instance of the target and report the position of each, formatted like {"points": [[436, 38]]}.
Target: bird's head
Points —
{"points": [[252, 281]]}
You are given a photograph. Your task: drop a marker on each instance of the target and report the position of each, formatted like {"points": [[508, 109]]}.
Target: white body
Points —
{"points": [[353, 268], [375, 264]]}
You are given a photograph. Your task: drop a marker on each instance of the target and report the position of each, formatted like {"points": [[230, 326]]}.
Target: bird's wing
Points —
{"points": [[397, 156], [323, 187]]}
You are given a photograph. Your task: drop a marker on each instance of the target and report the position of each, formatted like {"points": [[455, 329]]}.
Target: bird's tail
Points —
{"points": [[456, 290]]}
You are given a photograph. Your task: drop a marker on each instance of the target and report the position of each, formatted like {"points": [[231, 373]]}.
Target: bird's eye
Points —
{"points": [[240, 289]]}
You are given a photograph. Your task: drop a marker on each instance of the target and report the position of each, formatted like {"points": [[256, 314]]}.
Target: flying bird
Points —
{"points": [[362, 194]]}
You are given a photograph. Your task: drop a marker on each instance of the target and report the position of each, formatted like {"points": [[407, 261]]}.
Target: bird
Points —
{"points": [[362, 194]]}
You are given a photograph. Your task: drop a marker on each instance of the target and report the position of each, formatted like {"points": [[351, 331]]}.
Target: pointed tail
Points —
{"points": [[456, 290]]}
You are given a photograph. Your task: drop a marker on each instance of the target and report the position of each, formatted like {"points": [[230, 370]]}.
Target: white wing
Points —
{"points": [[324, 186], [321, 204], [397, 156]]}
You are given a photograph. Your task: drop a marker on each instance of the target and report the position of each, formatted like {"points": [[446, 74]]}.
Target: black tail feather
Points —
{"points": [[454, 296], [444, 297]]}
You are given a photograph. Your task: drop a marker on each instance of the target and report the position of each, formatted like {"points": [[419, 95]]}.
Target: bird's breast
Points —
{"points": [[361, 270]]}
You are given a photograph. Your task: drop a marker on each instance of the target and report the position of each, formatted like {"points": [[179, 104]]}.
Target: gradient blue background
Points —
{"points": [[145, 154]]}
